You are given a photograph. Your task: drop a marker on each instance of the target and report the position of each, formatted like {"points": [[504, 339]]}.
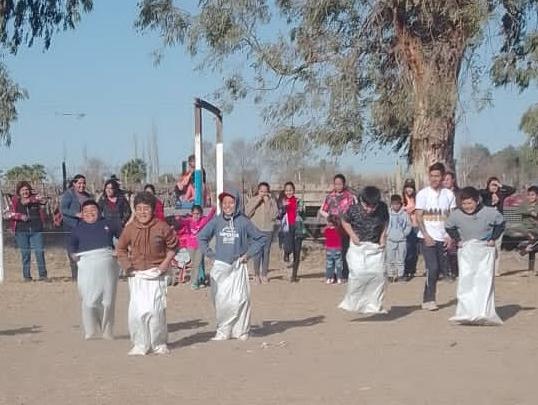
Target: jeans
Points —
{"points": [[72, 264], [28, 241], [197, 267], [263, 257], [345, 246], [436, 262], [293, 244], [333, 263], [395, 253], [411, 256]]}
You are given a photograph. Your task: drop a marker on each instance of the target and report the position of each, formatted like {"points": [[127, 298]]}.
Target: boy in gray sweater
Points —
{"points": [[476, 228], [473, 220], [396, 247]]}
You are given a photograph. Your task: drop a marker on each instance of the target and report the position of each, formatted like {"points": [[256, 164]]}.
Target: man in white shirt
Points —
{"points": [[433, 205]]}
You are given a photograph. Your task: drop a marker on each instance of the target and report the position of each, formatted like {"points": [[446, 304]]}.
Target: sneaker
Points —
{"points": [[430, 306], [218, 337], [45, 279], [161, 349], [28, 279], [195, 286], [244, 337], [137, 351], [329, 281], [340, 281]]}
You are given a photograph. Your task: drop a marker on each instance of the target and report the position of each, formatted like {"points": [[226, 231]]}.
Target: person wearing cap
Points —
{"points": [[237, 241], [409, 202]]}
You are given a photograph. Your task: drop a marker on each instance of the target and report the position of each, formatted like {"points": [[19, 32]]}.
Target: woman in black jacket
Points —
{"points": [[113, 205], [493, 196]]}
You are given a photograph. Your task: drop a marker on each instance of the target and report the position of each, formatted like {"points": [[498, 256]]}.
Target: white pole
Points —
{"points": [[220, 171], [1, 235]]}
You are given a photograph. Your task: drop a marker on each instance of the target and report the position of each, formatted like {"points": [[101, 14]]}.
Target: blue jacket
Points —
{"points": [[70, 206], [235, 236]]}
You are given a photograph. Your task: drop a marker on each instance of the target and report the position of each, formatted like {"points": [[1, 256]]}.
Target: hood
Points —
{"points": [[236, 196]]}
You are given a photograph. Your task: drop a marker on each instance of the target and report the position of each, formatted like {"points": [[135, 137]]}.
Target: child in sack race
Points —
{"points": [[366, 225], [237, 240], [475, 227], [145, 249], [91, 247]]}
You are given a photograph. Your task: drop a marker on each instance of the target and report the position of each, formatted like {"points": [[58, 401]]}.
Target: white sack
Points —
{"points": [[230, 290], [476, 285], [98, 274], [147, 310], [366, 282]]}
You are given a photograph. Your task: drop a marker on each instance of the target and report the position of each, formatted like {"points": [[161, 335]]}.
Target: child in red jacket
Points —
{"points": [[333, 251]]}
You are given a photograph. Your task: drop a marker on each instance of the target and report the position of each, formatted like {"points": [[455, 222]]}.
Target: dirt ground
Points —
{"points": [[303, 350]]}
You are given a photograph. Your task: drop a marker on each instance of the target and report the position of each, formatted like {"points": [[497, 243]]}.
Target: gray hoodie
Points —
{"points": [[399, 226], [235, 236]]}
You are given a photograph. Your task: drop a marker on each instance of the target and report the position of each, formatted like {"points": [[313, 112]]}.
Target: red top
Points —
{"points": [[333, 239], [159, 210], [291, 210]]}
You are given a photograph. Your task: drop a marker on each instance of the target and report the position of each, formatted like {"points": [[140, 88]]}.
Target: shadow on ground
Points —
{"points": [[21, 331]]}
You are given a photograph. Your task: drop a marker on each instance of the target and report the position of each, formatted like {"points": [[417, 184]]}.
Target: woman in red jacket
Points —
{"points": [[27, 218], [159, 205]]}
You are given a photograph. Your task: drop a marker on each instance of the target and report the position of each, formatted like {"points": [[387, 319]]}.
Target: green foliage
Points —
{"points": [[529, 125], [32, 173], [21, 23], [342, 73], [10, 94], [134, 171]]}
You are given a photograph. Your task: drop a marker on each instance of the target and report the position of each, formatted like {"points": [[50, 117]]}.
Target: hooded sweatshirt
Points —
{"points": [[148, 244], [236, 236], [399, 225]]}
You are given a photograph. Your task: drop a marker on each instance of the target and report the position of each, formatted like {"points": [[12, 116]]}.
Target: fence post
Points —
{"points": [[1, 233]]}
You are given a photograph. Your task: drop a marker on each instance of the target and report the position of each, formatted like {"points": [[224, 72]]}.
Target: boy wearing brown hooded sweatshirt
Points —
{"points": [[145, 249]]}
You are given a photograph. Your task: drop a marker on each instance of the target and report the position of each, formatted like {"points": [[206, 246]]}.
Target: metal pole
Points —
{"points": [[219, 160], [1, 233], [200, 104], [198, 177]]}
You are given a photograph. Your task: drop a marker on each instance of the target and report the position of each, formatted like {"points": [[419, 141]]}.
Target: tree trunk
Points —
{"points": [[432, 72]]}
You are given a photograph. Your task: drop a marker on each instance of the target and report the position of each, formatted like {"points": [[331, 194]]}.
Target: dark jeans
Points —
{"points": [[28, 241], [72, 263], [293, 244], [435, 259], [345, 246], [333, 263], [263, 257], [411, 256]]}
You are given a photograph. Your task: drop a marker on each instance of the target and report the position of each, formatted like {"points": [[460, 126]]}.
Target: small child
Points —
{"points": [[90, 246], [145, 249], [529, 221], [398, 229], [188, 229], [476, 228], [237, 240], [333, 250]]}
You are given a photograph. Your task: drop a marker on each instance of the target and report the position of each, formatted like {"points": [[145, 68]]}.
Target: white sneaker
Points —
{"points": [[137, 351], [244, 337], [161, 349], [430, 306]]}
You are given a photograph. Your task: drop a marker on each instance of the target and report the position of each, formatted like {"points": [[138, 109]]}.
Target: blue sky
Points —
{"points": [[105, 69]]}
